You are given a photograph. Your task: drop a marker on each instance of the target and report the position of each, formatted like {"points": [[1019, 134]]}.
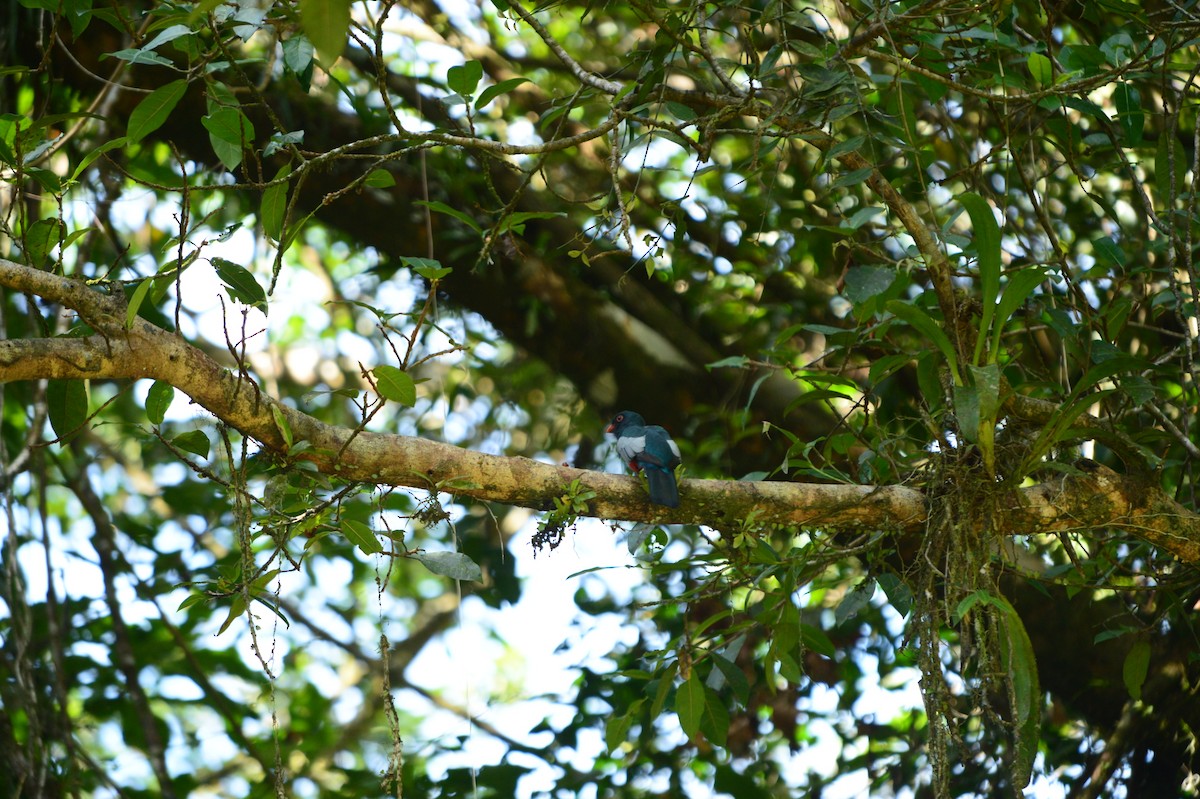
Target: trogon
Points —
{"points": [[649, 449]]}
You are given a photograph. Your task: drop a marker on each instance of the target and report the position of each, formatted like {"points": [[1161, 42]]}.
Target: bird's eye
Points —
{"points": [[620, 417]]}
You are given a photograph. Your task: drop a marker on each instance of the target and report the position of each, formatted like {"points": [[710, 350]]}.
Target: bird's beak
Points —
{"points": [[608, 429]]}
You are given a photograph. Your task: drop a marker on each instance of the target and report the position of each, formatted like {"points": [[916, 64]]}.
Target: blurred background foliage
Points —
{"points": [[708, 212]]}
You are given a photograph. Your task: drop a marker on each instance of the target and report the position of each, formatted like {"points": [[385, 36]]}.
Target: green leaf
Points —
{"points": [[219, 96], [230, 155], [135, 301], [274, 205], [298, 53], [237, 608], [1107, 367], [279, 141], [924, 324], [1118, 48], [454, 565], [1130, 113], [40, 239], [987, 246], [1041, 69], [193, 441], [1017, 658], [888, 365], [714, 721], [966, 408], [46, 178], [929, 382], [864, 282], [158, 400], [1016, 291], [74, 236], [689, 704], [1085, 58], [852, 178], [987, 380], [979, 597], [67, 405], [170, 34], [730, 672], [1060, 424], [516, 222], [846, 146], [326, 23], [863, 216], [95, 153], [229, 125], [464, 79], [666, 680], [495, 90], [282, 425], [616, 729], [732, 362], [395, 384], [190, 600], [434, 272], [1109, 252], [154, 110], [1136, 667], [139, 57], [898, 593], [361, 536], [380, 179], [814, 638], [987, 385], [240, 284], [428, 268], [441, 207], [854, 601], [683, 113], [229, 131]]}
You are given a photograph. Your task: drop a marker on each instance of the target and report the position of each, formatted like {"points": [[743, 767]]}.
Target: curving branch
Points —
{"points": [[1096, 498]]}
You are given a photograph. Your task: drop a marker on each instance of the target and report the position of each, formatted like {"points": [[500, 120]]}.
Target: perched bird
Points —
{"points": [[648, 448]]}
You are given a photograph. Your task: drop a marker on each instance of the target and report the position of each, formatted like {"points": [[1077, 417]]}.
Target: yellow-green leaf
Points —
{"points": [[67, 404], [135, 302], [236, 609], [361, 536], [326, 24], [494, 91], [158, 400], [1041, 69], [987, 246], [240, 283], [925, 325], [1136, 667], [274, 205], [194, 442], [689, 704], [154, 110], [281, 424], [464, 79], [380, 179], [395, 384]]}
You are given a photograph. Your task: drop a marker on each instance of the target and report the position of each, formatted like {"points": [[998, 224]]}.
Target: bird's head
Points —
{"points": [[625, 419]]}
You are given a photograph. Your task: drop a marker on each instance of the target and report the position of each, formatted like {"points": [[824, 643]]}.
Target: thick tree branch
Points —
{"points": [[1096, 499]]}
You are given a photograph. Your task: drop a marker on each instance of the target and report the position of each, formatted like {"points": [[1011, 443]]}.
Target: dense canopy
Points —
{"points": [[314, 314]]}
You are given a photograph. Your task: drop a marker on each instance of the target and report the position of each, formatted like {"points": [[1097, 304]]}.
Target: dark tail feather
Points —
{"points": [[663, 490]]}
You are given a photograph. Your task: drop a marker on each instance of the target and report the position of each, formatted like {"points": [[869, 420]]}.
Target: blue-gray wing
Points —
{"points": [[630, 447], [662, 448]]}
